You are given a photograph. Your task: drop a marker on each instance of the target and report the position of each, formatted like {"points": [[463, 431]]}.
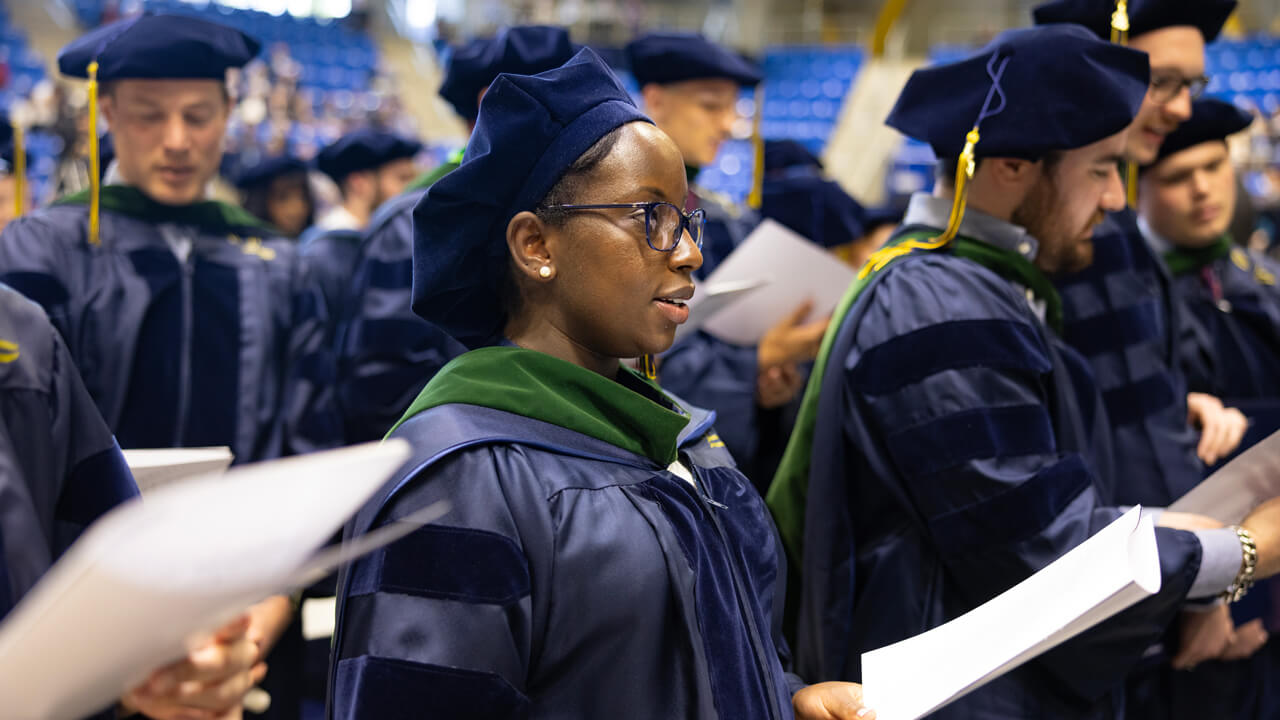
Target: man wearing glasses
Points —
{"points": [[1122, 315]]}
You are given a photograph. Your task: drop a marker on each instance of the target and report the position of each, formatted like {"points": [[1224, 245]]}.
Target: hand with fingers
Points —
{"points": [[208, 684], [792, 341], [831, 701], [1221, 428], [776, 386], [1203, 635]]}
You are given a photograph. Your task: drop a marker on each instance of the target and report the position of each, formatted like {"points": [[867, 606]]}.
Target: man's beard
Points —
{"points": [[1060, 251]]}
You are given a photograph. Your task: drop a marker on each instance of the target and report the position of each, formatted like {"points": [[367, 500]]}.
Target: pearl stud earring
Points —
{"points": [[545, 271]]}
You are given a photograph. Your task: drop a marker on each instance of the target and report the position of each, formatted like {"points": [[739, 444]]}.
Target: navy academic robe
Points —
{"points": [[60, 469], [956, 453], [571, 578], [225, 346], [1121, 315], [331, 257], [386, 353], [1235, 304]]}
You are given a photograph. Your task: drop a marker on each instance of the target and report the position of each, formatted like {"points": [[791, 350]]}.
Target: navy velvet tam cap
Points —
{"points": [[268, 169], [1210, 120], [531, 129], [1208, 16], [525, 50], [158, 46], [1042, 89], [363, 149], [669, 57], [786, 154], [815, 207]]}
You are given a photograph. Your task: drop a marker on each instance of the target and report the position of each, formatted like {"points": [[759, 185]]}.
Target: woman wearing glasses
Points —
{"points": [[602, 557]]}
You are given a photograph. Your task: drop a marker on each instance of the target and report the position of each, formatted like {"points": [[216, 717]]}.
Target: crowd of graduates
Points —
{"points": [[642, 528]]}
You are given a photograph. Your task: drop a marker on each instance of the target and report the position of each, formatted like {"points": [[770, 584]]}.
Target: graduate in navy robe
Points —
{"points": [[602, 556], [1119, 312], [1186, 206], [386, 353], [950, 444], [370, 167], [691, 87], [61, 470], [276, 190], [190, 322]]}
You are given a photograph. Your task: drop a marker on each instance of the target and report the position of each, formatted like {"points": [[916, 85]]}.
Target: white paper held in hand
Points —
{"points": [[796, 271], [711, 299], [1246, 482], [150, 580], [153, 468], [1104, 575]]}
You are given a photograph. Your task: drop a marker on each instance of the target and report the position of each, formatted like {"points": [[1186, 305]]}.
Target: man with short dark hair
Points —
{"points": [[950, 444]]}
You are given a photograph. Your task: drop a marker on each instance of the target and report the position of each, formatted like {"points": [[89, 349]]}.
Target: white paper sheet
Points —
{"points": [[1230, 494], [712, 298], [154, 468], [797, 271], [1104, 575], [148, 581]]}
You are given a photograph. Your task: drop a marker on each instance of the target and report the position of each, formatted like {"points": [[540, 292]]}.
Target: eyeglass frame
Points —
{"points": [[1196, 86], [648, 207]]}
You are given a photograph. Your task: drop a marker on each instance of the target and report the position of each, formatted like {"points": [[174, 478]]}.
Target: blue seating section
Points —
{"points": [[26, 68], [332, 57], [1246, 72], [804, 91]]}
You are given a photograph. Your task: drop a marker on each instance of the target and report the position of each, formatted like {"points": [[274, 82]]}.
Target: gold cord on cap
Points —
{"points": [[756, 198], [1120, 36], [1120, 23], [95, 188], [19, 170]]}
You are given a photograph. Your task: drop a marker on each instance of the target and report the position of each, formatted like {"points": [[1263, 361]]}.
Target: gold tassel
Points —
{"points": [[95, 183], [964, 174], [1120, 36], [19, 170], [649, 367], [1120, 23], [756, 198]]}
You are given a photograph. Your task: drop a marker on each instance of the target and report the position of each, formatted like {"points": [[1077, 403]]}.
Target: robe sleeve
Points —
{"points": [[60, 467], [958, 396], [309, 419], [386, 353], [34, 260], [445, 619]]}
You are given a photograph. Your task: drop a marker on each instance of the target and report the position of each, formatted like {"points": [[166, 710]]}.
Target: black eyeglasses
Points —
{"points": [[664, 223], [1167, 86]]}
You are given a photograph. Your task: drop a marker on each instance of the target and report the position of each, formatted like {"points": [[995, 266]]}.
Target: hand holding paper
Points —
{"points": [[147, 583], [797, 271]]}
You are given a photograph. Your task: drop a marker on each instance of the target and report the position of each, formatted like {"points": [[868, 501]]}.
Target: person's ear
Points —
{"points": [[527, 243], [654, 96], [1015, 172], [107, 106]]}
